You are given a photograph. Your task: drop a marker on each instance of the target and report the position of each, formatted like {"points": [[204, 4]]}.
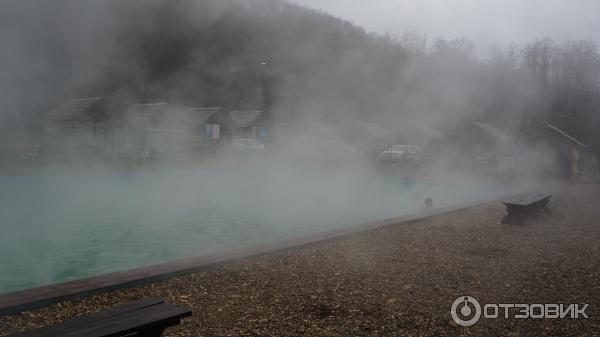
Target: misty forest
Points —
{"points": [[262, 168], [294, 63]]}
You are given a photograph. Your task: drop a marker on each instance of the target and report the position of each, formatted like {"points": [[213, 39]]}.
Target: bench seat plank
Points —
{"points": [[156, 317], [529, 200], [528, 206], [150, 314], [92, 318]]}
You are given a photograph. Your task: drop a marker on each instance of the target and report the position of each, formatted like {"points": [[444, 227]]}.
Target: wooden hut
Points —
{"points": [[74, 125], [201, 121], [138, 134], [248, 124], [575, 159], [242, 124], [203, 129]]}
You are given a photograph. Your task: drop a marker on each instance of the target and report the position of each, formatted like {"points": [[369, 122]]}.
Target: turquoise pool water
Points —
{"points": [[63, 226]]}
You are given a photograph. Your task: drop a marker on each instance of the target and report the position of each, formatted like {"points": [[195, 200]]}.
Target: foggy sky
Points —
{"points": [[486, 22]]}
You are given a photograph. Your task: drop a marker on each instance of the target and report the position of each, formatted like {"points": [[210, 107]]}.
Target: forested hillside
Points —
{"points": [[294, 62]]}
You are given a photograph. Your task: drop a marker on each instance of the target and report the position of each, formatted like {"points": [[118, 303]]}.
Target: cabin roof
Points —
{"points": [[565, 135], [244, 119], [499, 135], [143, 113], [199, 116], [73, 109], [146, 108]]}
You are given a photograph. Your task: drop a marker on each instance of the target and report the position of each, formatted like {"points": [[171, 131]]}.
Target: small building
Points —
{"points": [[574, 158], [244, 124], [75, 126], [506, 157], [137, 134], [77, 113], [201, 121], [248, 123], [203, 128], [145, 115], [165, 130]]}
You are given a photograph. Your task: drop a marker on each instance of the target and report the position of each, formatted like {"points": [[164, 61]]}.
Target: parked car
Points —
{"points": [[402, 154], [247, 145]]}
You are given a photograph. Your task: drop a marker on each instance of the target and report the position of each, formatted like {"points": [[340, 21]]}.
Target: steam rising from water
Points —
{"points": [[74, 221], [79, 225]]}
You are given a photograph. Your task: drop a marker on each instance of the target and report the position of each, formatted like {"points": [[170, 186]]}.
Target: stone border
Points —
{"points": [[17, 302]]}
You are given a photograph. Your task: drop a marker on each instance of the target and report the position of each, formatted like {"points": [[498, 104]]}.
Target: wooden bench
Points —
{"points": [[148, 317], [528, 206]]}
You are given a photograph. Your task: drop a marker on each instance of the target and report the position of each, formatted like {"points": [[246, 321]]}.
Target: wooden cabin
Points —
{"points": [[204, 130], [75, 126], [241, 124], [575, 161], [249, 124], [164, 130], [137, 134]]}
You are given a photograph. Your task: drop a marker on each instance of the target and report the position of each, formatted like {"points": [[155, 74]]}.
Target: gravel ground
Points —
{"points": [[397, 281]]}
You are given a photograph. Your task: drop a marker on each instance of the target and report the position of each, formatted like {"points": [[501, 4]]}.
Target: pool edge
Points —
{"points": [[35, 298]]}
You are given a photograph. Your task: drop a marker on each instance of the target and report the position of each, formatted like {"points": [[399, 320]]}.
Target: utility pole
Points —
{"points": [[261, 80]]}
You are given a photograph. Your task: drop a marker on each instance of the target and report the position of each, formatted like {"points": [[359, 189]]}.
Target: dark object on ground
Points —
{"points": [[148, 317], [529, 206], [429, 203]]}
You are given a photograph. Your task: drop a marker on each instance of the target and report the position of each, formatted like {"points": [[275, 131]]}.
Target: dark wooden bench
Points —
{"points": [[148, 317], [526, 207]]}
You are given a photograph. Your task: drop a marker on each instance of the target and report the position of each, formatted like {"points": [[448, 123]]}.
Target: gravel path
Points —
{"points": [[397, 281]]}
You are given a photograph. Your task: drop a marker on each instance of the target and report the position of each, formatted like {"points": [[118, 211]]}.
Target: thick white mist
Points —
{"points": [[77, 223]]}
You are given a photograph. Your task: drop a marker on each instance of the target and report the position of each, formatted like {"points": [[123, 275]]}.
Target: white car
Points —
{"points": [[247, 145], [402, 153]]}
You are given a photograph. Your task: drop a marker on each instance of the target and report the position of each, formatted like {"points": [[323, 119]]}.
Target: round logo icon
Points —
{"points": [[466, 311]]}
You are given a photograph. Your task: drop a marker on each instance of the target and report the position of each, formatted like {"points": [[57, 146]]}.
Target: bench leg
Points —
{"points": [[520, 219], [513, 219], [515, 216], [547, 210], [507, 220]]}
